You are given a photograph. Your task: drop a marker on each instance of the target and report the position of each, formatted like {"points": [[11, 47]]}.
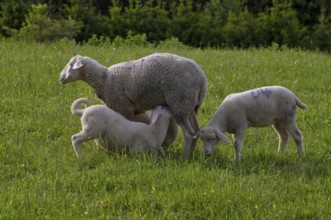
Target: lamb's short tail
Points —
{"points": [[75, 110], [300, 104]]}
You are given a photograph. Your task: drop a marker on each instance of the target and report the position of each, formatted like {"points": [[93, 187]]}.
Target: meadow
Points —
{"points": [[41, 178]]}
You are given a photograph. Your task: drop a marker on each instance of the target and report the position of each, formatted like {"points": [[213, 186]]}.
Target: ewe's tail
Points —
{"points": [[75, 110], [300, 104]]}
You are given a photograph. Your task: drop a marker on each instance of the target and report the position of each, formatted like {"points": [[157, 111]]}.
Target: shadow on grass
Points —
{"points": [[258, 162], [310, 165]]}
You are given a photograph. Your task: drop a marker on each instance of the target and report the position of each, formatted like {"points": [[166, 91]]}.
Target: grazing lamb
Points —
{"points": [[271, 105], [134, 87], [114, 132]]}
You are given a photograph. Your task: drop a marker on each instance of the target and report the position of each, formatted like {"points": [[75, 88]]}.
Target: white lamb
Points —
{"points": [[271, 105], [116, 133]]}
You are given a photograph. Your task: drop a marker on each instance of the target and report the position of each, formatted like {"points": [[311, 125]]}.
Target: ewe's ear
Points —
{"points": [[222, 137], [78, 63]]}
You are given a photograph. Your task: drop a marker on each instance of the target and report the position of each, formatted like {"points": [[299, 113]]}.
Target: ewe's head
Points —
{"points": [[71, 72], [210, 137]]}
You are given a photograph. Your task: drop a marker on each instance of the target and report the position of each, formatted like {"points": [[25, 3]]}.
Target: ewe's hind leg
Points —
{"points": [[161, 152], [171, 136], [192, 117], [188, 141], [296, 134], [282, 135], [143, 117], [190, 128]]}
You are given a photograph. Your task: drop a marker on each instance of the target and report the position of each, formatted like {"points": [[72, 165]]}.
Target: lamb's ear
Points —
{"points": [[197, 135], [155, 116], [78, 63], [222, 137]]}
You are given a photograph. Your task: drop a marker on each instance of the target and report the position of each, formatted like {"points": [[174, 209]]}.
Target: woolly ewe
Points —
{"points": [[140, 85]]}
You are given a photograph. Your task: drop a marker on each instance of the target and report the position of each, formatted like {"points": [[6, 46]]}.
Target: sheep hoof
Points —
{"points": [[77, 150], [301, 154]]}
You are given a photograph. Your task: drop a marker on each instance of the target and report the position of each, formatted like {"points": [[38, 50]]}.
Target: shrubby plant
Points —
{"points": [[240, 30], [130, 40], [211, 23], [12, 15], [40, 27], [321, 37], [98, 41], [172, 42]]}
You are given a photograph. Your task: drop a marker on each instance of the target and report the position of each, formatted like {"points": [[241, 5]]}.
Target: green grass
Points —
{"points": [[41, 178]]}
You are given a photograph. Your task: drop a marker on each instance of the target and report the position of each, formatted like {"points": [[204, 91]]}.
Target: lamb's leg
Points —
{"points": [[84, 135], [238, 136], [282, 135], [77, 141], [296, 134]]}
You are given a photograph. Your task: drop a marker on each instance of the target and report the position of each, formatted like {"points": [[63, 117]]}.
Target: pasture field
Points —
{"points": [[41, 178]]}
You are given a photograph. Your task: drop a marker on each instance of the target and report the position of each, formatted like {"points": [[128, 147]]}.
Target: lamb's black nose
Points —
{"points": [[207, 153]]}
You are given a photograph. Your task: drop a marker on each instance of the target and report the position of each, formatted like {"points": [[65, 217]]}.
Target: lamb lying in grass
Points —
{"points": [[113, 132], [272, 105]]}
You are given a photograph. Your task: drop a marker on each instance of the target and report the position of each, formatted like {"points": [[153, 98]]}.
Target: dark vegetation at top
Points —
{"points": [[198, 23]]}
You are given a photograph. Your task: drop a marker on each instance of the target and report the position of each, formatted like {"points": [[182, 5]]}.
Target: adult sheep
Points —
{"points": [[134, 87]]}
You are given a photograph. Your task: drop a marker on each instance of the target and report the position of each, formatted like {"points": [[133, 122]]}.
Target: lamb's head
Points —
{"points": [[72, 71], [161, 112], [210, 136]]}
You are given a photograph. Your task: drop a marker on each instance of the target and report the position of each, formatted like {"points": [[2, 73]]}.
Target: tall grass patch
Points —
{"points": [[41, 178]]}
